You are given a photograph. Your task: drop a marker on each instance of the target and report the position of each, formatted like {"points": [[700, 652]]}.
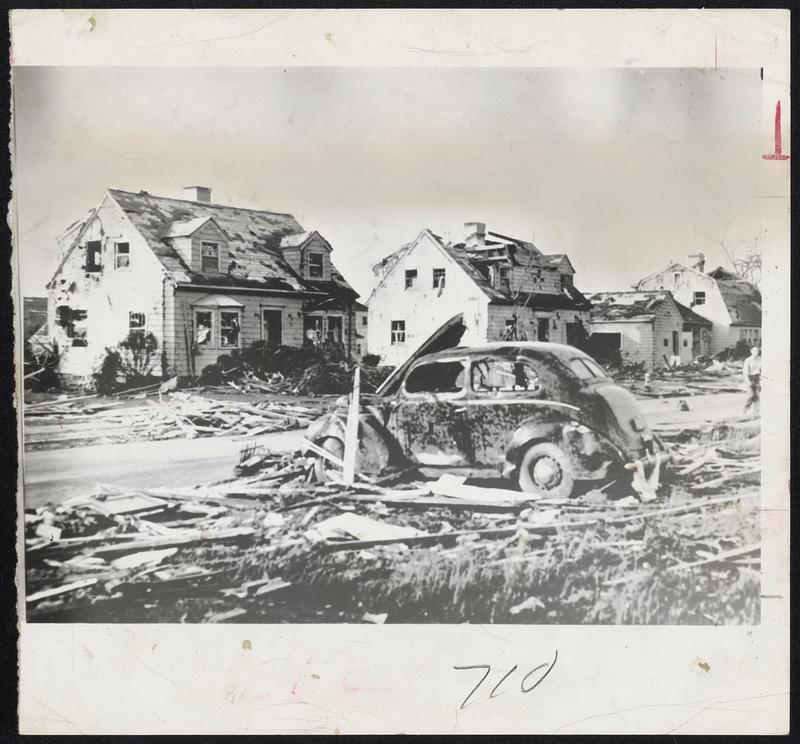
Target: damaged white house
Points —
{"points": [[205, 279], [732, 304], [505, 287]]}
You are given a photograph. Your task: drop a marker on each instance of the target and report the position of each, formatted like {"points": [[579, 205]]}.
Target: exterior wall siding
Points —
{"points": [[107, 296], [636, 340], [422, 307], [528, 321]]}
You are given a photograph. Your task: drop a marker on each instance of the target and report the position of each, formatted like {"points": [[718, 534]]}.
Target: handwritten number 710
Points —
{"points": [[524, 685]]}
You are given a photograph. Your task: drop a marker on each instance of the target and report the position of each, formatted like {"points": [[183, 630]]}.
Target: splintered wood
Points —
{"points": [[272, 546], [176, 415]]}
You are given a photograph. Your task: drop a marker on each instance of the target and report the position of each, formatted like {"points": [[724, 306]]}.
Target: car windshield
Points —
{"points": [[586, 368]]}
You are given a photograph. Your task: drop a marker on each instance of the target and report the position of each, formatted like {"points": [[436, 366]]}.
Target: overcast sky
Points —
{"points": [[621, 169]]}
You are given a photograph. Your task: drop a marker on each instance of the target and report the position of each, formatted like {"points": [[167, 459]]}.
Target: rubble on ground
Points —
{"points": [[176, 414], [270, 545]]}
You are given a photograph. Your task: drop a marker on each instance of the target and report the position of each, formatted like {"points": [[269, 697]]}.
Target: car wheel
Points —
{"points": [[322, 467], [546, 469]]}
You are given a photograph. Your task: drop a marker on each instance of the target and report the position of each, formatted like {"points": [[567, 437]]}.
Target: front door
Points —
{"points": [[676, 349], [543, 329], [429, 420], [273, 327]]}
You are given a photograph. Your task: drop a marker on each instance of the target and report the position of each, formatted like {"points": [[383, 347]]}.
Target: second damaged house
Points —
{"points": [[205, 279], [507, 289]]}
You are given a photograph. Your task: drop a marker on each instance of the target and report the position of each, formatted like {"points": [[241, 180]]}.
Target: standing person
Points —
{"points": [[751, 371]]}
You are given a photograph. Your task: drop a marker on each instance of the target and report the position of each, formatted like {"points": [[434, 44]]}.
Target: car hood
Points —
{"points": [[446, 336]]}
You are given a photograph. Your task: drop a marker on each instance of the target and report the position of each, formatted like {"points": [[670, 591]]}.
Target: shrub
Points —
{"points": [[129, 364], [371, 360]]}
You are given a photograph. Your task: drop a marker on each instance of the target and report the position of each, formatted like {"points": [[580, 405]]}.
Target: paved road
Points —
{"points": [[51, 476], [55, 475]]}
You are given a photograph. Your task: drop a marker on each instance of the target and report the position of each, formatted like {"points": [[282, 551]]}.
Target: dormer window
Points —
{"points": [[315, 266], [209, 257]]}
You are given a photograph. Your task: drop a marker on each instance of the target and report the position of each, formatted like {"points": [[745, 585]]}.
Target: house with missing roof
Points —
{"points": [[732, 304], [649, 328], [505, 287], [206, 279]]}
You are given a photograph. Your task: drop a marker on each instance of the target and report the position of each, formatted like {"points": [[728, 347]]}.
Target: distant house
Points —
{"points": [[505, 287], [206, 279], [646, 327], [732, 304], [34, 316]]}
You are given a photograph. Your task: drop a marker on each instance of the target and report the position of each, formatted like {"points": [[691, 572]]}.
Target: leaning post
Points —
{"points": [[351, 432]]}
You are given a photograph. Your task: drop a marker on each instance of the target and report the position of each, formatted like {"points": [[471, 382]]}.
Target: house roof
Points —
{"points": [[627, 306], [475, 263], [743, 301], [253, 238], [690, 317]]}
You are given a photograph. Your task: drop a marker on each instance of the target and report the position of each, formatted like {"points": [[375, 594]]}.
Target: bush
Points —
{"points": [[129, 364], [371, 360]]}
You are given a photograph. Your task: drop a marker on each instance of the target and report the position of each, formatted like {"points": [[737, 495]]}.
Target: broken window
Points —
{"points": [[436, 377], [229, 328], [315, 265], [209, 257], [438, 278], [202, 328], [93, 256], [122, 255], [699, 298], [503, 274], [504, 376], [587, 368], [312, 329], [398, 332], [136, 321], [543, 329], [566, 282], [411, 278], [74, 324]]}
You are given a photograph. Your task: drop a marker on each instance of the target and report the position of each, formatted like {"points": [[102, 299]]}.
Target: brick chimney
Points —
{"points": [[698, 262], [475, 233], [197, 193]]}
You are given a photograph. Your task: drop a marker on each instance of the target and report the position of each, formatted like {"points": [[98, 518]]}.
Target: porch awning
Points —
{"points": [[216, 300]]}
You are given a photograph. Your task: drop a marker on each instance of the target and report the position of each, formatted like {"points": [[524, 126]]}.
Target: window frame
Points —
{"points": [[321, 257], [393, 340], [423, 394], [203, 245], [230, 311], [439, 278], [94, 253], [411, 277], [208, 343], [142, 327], [696, 298], [117, 255], [536, 390]]}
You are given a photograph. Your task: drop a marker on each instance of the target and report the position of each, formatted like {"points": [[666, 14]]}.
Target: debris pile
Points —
{"points": [[717, 377], [177, 414], [272, 546]]}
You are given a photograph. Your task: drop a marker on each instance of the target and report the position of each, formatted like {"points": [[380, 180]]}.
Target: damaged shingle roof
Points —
{"points": [[743, 301], [628, 306], [253, 238]]}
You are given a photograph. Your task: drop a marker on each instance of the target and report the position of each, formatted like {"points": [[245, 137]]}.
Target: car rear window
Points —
{"points": [[436, 377], [504, 376], [586, 368]]}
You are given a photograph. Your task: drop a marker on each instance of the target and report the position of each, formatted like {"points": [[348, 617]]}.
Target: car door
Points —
{"points": [[429, 420], [504, 392]]}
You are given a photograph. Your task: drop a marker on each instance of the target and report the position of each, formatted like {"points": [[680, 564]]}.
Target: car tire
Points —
{"points": [[335, 446], [545, 469]]}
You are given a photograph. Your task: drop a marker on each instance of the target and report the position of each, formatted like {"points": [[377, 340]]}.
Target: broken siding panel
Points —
{"points": [[108, 295]]}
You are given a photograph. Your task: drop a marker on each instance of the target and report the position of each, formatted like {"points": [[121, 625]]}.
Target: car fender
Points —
{"points": [[592, 453], [374, 450]]}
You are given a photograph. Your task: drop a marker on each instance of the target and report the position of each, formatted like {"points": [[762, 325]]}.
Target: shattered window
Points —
{"points": [[587, 368], [202, 327], [315, 265], [78, 328], [436, 377], [209, 257], [411, 278], [136, 321], [398, 331], [122, 255], [504, 376], [229, 328], [438, 278]]}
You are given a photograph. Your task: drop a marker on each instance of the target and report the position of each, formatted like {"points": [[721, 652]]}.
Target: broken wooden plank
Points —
{"points": [[58, 590], [722, 557]]}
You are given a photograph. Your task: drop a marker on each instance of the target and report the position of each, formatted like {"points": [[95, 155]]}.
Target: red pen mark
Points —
{"points": [[778, 154]]}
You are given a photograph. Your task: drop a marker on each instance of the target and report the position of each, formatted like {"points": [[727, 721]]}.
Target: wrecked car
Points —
{"points": [[543, 415]]}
